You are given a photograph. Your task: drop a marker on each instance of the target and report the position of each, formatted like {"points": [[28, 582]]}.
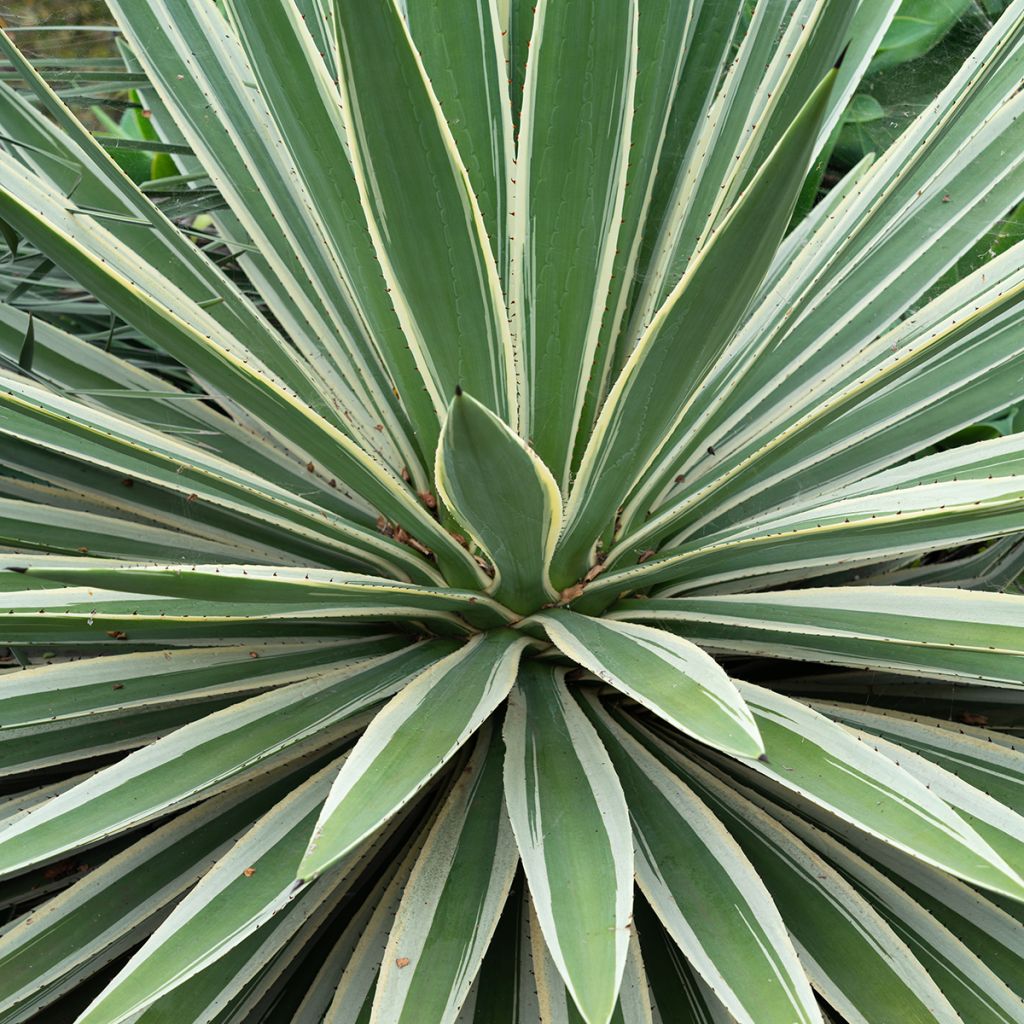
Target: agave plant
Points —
{"points": [[500, 580]]}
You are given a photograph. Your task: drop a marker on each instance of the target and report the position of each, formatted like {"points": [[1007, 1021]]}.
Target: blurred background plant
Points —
{"points": [[47, 35]]}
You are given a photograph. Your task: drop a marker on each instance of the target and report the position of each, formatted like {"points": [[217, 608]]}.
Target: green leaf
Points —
{"points": [[570, 184], [11, 238], [648, 399], [71, 691], [269, 587], [427, 228], [555, 1004], [828, 766], [104, 913], [987, 760], [841, 939], [923, 203], [705, 891], [970, 986], [505, 497], [28, 347], [208, 755], [410, 741], [451, 905], [917, 27], [572, 828], [463, 56], [672, 677], [840, 531], [928, 631], [251, 883]]}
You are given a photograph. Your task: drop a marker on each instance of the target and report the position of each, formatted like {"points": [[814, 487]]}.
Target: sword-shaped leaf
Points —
{"points": [[426, 227], [247, 886], [650, 395], [671, 676], [705, 891], [106, 912], [257, 585], [841, 939], [570, 184], [411, 740], [78, 690], [830, 767], [199, 759], [932, 631], [572, 828], [453, 900]]}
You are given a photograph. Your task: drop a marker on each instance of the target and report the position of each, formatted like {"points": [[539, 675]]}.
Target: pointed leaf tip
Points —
{"points": [[842, 56]]}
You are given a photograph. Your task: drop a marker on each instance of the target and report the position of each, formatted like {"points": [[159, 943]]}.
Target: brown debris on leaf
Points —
{"points": [[402, 961], [970, 718]]}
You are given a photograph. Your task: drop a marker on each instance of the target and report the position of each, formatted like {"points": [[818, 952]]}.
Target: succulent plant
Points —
{"points": [[488, 572]]}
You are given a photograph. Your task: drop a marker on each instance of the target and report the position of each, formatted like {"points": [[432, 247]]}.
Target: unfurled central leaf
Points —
{"points": [[506, 499]]}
